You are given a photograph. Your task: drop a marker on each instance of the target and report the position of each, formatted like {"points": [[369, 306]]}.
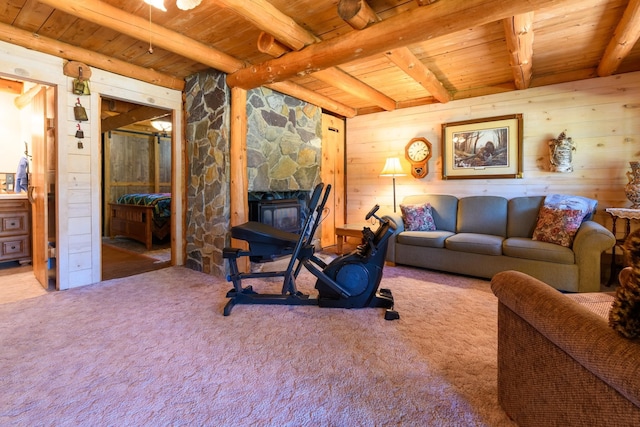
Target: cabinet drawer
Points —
{"points": [[14, 205], [12, 248], [14, 223]]}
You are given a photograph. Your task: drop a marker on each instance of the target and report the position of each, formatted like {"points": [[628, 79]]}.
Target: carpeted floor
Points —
{"points": [[154, 349]]}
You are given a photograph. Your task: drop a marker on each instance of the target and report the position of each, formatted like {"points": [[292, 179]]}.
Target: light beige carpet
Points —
{"points": [[154, 349]]}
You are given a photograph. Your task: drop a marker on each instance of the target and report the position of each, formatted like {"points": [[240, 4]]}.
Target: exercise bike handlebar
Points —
{"points": [[372, 213]]}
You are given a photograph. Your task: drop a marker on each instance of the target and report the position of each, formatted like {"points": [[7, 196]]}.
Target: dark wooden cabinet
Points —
{"points": [[15, 236]]}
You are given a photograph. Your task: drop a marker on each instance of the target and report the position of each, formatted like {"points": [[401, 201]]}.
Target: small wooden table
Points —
{"points": [[348, 230], [628, 215]]}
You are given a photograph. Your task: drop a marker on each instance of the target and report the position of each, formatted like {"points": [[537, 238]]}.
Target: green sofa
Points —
{"points": [[483, 235]]}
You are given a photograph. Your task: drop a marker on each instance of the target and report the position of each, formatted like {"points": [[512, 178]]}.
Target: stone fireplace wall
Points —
{"points": [[283, 154], [283, 142]]}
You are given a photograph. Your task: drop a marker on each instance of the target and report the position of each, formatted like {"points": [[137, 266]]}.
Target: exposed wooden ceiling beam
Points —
{"points": [[26, 98], [417, 25], [62, 50], [133, 116], [359, 15], [117, 19], [518, 32], [624, 38], [11, 86], [270, 20], [337, 78], [108, 16], [414, 68]]}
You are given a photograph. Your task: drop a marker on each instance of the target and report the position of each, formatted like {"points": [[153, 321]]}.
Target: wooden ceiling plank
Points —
{"points": [[32, 15], [624, 38], [134, 116], [359, 15], [29, 40], [9, 10], [103, 14], [518, 32], [424, 23]]}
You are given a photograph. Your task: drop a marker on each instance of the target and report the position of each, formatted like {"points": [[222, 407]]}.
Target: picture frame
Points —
{"points": [[483, 148]]}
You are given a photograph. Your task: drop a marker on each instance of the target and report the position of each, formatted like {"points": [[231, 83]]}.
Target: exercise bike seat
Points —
{"points": [[257, 232]]}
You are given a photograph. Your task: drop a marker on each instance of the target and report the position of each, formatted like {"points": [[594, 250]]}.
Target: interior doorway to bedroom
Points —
{"points": [[136, 188]]}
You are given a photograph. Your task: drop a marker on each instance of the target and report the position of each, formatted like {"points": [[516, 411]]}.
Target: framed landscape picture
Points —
{"points": [[482, 148]]}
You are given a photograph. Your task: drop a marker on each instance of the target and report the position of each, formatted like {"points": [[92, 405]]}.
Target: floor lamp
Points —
{"points": [[392, 168]]}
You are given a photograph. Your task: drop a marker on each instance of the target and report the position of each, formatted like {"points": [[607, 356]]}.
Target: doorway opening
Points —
{"points": [[136, 188], [27, 188]]}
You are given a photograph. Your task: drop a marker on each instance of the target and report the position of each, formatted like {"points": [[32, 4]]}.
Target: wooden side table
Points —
{"points": [[348, 230], [628, 215]]}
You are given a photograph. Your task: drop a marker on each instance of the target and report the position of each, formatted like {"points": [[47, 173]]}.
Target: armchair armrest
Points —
{"points": [[583, 335], [591, 240]]}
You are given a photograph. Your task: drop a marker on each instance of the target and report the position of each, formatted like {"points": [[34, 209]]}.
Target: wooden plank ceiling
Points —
{"points": [[350, 56]]}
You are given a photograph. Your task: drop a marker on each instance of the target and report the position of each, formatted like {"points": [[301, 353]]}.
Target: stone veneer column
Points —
{"points": [[207, 141]]}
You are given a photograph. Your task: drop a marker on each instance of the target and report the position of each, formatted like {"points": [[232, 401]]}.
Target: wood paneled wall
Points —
{"points": [[601, 115]]}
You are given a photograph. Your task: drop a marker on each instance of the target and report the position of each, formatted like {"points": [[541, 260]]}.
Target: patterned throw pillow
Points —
{"points": [[418, 217], [624, 316], [557, 226]]}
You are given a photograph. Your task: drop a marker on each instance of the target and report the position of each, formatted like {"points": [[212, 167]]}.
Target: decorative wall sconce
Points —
{"points": [[561, 153]]}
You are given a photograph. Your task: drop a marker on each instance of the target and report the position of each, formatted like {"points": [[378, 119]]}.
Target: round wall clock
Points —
{"points": [[418, 152]]}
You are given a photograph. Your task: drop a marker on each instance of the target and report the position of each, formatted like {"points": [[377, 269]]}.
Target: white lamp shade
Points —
{"points": [[159, 4], [392, 167]]}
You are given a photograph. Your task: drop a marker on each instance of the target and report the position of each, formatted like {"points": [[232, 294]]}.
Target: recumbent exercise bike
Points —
{"points": [[349, 281]]}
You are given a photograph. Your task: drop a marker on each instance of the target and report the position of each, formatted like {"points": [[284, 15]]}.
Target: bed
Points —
{"points": [[141, 217]]}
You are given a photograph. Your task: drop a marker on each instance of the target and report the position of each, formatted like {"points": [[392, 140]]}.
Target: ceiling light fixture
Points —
{"points": [[182, 4], [158, 4], [161, 125], [187, 4]]}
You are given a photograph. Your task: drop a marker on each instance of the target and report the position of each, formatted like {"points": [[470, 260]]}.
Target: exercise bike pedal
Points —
{"points": [[385, 292], [390, 314], [247, 291]]}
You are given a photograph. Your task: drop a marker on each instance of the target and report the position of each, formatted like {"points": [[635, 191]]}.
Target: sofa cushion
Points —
{"points": [[443, 208], [417, 217], [522, 215], [429, 239], [526, 248], [475, 243], [483, 215], [557, 225]]}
